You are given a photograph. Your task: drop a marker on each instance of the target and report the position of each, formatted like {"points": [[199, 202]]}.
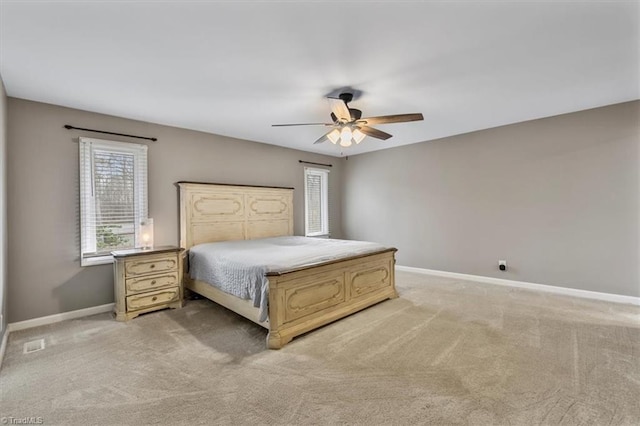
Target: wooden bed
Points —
{"points": [[301, 299]]}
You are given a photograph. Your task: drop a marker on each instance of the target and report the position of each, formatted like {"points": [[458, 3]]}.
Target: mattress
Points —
{"points": [[240, 267]]}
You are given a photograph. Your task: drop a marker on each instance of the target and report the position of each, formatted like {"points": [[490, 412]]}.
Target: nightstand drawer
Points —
{"points": [[146, 300], [151, 282], [150, 264]]}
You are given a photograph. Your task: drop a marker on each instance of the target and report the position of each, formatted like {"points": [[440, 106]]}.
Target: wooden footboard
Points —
{"points": [[305, 299]]}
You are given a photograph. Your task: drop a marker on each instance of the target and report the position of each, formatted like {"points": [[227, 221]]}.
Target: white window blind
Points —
{"points": [[316, 190], [113, 197]]}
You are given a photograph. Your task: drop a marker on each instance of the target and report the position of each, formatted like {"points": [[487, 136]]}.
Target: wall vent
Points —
{"points": [[33, 346]]}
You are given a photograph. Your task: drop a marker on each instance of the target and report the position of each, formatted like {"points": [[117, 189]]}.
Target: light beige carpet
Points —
{"points": [[445, 352]]}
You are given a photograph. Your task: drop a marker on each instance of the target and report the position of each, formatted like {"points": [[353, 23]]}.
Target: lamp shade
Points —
{"points": [[345, 136], [145, 234], [334, 136], [358, 136]]}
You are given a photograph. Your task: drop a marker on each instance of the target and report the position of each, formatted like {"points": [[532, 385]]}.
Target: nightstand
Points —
{"points": [[146, 280]]}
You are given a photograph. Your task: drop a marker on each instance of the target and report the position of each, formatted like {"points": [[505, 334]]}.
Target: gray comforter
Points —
{"points": [[239, 267]]}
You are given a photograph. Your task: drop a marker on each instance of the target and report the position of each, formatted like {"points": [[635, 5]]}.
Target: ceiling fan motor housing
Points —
{"points": [[356, 114], [346, 97]]}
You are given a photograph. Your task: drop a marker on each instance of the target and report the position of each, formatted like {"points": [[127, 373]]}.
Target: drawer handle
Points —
{"points": [[153, 265], [154, 298], [153, 282]]}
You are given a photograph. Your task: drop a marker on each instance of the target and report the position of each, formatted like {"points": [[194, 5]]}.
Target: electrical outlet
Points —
{"points": [[502, 265]]}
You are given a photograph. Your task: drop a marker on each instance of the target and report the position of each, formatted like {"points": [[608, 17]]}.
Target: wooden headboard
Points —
{"points": [[216, 212]]}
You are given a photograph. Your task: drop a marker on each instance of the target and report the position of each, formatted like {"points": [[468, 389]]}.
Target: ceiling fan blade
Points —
{"points": [[397, 118], [303, 124], [340, 109], [374, 133], [322, 139]]}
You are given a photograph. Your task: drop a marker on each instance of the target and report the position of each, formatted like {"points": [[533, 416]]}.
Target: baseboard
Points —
{"points": [[586, 294], [36, 322], [3, 345]]}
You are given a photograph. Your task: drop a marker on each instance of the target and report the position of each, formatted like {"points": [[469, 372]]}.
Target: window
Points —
{"points": [[316, 207], [113, 197]]}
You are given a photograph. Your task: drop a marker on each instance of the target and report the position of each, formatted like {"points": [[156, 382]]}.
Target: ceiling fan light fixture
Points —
{"points": [[347, 125], [345, 143], [358, 136], [345, 136], [333, 136]]}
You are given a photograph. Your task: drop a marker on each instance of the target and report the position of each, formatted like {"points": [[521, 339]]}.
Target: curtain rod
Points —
{"points": [[315, 164], [70, 127]]}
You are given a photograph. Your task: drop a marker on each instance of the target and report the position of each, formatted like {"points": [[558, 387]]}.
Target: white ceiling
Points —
{"points": [[235, 68]]}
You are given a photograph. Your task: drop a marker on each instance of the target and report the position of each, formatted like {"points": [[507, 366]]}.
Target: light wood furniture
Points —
{"points": [[147, 280], [300, 299]]}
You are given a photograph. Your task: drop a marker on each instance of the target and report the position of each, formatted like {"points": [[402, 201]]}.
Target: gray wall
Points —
{"points": [[45, 276], [557, 198], [3, 210]]}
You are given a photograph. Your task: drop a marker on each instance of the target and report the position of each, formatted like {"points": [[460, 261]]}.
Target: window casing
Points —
{"points": [[113, 197], [316, 206]]}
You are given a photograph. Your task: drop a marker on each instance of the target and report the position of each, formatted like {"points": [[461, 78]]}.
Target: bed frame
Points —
{"points": [[300, 299]]}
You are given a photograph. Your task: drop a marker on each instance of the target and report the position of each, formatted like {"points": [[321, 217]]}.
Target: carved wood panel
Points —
{"points": [[369, 280], [316, 296], [218, 207], [271, 206]]}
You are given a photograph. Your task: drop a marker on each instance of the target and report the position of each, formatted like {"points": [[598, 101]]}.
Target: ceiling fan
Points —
{"points": [[349, 126]]}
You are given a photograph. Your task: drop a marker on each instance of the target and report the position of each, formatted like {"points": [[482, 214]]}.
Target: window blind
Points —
{"points": [[316, 202], [113, 195]]}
